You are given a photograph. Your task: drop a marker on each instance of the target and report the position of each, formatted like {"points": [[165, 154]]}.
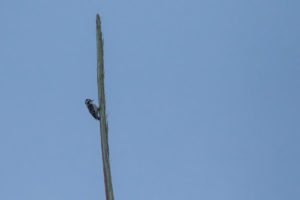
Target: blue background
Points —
{"points": [[202, 99]]}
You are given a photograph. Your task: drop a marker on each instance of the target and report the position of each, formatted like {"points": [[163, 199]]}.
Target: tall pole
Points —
{"points": [[103, 122]]}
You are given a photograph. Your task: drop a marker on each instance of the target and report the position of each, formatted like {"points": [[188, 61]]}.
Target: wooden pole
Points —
{"points": [[103, 121]]}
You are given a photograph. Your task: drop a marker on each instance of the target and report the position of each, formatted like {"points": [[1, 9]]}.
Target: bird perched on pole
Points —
{"points": [[93, 109]]}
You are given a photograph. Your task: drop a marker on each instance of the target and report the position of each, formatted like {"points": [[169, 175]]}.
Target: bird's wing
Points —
{"points": [[96, 109]]}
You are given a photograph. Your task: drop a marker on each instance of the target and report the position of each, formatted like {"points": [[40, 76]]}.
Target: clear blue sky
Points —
{"points": [[202, 99]]}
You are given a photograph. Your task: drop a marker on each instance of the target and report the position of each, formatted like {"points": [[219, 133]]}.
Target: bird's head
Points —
{"points": [[88, 101]]}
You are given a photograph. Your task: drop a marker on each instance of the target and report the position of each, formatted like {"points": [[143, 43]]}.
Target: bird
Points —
{"points": [[93, 109]]}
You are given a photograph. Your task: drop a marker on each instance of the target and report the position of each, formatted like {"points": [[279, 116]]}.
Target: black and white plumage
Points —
{"points": [[93, 109]]}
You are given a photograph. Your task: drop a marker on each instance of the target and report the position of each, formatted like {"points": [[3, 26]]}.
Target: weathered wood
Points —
{"points": [[103, 121]]}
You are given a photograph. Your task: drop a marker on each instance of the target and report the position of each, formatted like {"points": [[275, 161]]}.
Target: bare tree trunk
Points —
{"points": [[103, 122]]}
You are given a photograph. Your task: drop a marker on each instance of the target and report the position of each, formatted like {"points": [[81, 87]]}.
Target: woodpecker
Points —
{"points": [[93, 109]]}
